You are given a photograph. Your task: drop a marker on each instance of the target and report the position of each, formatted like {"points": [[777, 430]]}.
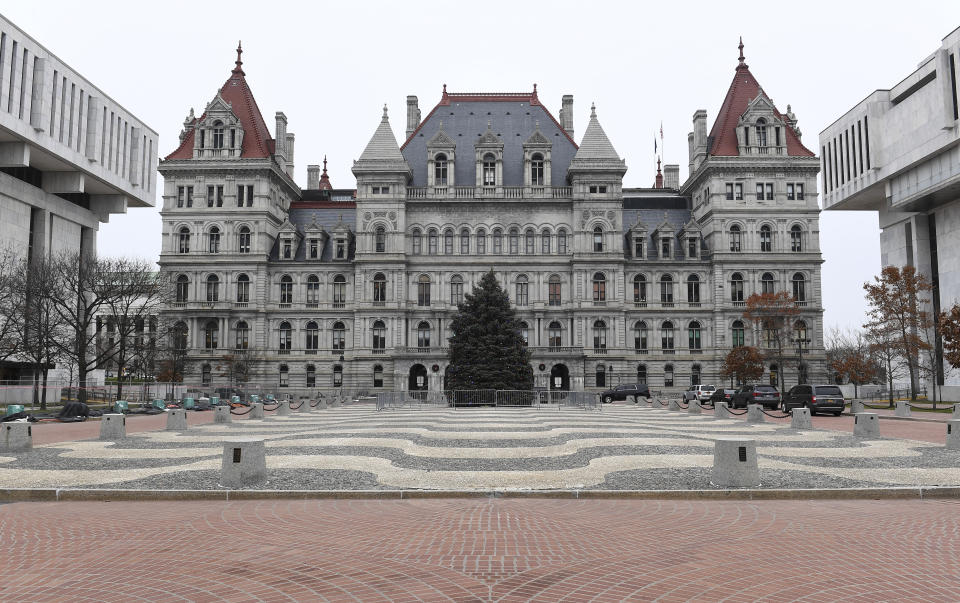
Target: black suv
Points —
{"points": [[756, 394], [627, 390], [818, 398]]}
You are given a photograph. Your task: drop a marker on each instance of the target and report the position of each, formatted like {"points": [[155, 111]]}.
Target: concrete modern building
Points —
{"points": [[897, 152], [356, 287], [70, 156]]}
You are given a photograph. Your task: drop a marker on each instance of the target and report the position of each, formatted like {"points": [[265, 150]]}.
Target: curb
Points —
{"points": [[896, 418], [10, 495]]}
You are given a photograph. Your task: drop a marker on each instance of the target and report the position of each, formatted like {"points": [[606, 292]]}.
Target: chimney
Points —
{"points": [[313, 177], [413, 115], [280, 135], [289, 149], [699, 137], [671, 176], [690, 152], [566, 114]]}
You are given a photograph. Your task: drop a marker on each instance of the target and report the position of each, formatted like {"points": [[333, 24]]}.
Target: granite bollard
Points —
{"points": [[903, 409], [866, 424], [176, 419], [256, 410], [800, 418], [953, 434], [721, 411], [16, 435], [956, 412], [221, 414], [694, 408], [283, 408], [244, 463], [755, 413], [735, 463], [856, 406], [673, 405], [113, 426]]}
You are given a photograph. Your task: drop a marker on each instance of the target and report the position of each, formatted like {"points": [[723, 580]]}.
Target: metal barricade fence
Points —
{"points": [[488, 398]]}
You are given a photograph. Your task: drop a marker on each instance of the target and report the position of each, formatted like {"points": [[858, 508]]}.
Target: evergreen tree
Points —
{"points": [[487, 350]]}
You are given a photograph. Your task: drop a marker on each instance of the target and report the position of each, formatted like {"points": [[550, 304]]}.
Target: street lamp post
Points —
{"points": [[800, 341]]}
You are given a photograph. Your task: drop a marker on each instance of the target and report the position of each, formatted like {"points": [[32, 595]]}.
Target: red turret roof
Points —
{"points": [[324, 178], [743, 89], [257, 142]]}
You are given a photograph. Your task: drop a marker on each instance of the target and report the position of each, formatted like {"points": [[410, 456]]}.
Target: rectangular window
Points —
{"points": [[456, 293], [220, 196], [738, 192], [287, 250], [522, 294], [769, 187], [240, 191], [692, 248], [799, 191], [211, 193], [482, 244], [759, 191], [554, 293], [189, 196], [638, 247], [789, 192], [729, 191], [866, 137], [664, 247], [953, 85], [314, 249], [180, 192]]}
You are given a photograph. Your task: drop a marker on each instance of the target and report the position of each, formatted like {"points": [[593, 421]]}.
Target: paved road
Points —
{"points": [[482, 550]]}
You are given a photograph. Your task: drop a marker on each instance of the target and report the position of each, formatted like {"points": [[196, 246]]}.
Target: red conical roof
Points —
{"points": [[257, 142], [743, 89], [324, 178]]}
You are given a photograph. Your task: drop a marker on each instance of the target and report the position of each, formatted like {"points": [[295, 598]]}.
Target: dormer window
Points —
{"points": [[440, 170], [218, 134], [314, 249], [536, 169], [341, 249], [489, 170], [761, 133], [692, 248], [639, 242], [664, 247], [287, 249]]}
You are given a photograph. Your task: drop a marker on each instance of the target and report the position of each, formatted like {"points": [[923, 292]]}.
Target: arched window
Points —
{"points": [[313, 291], [440, 170], [545, 241], [799, 288], [536, 169], [432, 241], [668, 375], [597, 238], [640, 289], [766, 238], [735, 238], [562, 241], [183, 288], [530, 246], [379, 333], [514, 241], [377, 375], [666, 289], [555, 335], [464, 242], [640, 337], [523, 284], [738, 334], [448, 242], [213, 288], [771, 333], [416, 238], [736, 287], [796, 238], [218, 134], [642, 373], [666, 336], [423, 290], [379, 289], [497, 241], [339, 291], [243, 240], [599, 288], [211, 335], [337, 375], [243, 289], [481, 241], [761, 132], [489, 170], [380, 239], [205, 374], [423, 335], [601, 376], [800, 336], [241, 335], [525, 332], [767, 285], [693, 331], [456, 290], [286, 289], [312, 333], [554, 290], [695, 375], [286, 340], [311, 376], [183, 240], [214, 240], [339, 337], [693, 289], [599, 335], [284, 379], [180, 333]]}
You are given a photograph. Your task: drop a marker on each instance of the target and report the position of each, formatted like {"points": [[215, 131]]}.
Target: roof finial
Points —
{"points": [[444, 89], [239, 62], [324, 164], [385, 112], [593, 110], [741, 57]]}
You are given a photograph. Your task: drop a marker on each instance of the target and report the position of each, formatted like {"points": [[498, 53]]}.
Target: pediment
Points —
{"points": [[538, 139], [489, 139], [691, 226], [761, 106], [440, 139]]}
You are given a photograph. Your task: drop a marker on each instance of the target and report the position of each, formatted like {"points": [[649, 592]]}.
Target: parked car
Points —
{"points": [[818, 398], [722, 395], [626, 390], [699, 392], [767, 395]]}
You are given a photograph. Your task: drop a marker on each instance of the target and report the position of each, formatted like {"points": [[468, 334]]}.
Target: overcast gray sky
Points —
{"points": [[330, 66]]}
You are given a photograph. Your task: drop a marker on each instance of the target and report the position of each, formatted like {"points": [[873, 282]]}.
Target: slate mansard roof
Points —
{"points": [[513, 117]]}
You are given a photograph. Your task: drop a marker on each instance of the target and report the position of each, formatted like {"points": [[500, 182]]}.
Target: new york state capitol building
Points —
{"points": [[324, 287]]}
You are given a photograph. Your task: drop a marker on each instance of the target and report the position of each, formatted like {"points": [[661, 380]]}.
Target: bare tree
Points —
{"points": [[883, 345], [42, 326], [11, 303], [171, 353], [771, 315], [851, 359]]}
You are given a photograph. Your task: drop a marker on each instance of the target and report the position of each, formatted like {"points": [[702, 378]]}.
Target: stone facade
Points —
{"points": [[357, 287], [897, 153]]}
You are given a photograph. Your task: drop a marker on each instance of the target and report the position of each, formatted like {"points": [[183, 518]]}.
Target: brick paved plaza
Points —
{"points": [[481, 550]]}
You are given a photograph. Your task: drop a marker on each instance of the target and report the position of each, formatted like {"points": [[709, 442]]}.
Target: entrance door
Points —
{"points": [[418, 378], [560, 378]]}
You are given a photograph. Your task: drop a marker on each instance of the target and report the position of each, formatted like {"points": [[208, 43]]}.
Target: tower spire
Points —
{"points": [[239, 61], [658, 181], [324, 184], [741, 58]]}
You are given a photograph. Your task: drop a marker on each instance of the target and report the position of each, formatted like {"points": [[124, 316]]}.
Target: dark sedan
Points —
{"points": [[767, 395], [626, 390], [818, 398], [723, 395]]}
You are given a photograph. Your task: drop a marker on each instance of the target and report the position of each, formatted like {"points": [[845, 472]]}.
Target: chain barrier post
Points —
{"points": [[755, 413], [866, 424], [953, 434], [800, 419], [176, 419], [903, 409]]}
